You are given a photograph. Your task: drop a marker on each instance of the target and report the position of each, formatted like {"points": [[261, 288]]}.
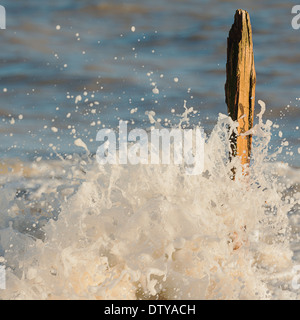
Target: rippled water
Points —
{"points": [[96, 52]]}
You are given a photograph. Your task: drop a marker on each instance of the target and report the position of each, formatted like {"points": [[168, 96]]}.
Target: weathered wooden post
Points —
{"points": [[240, 84]]}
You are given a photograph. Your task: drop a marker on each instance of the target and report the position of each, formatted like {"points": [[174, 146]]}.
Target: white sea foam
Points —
{"points": [[138, 231]]}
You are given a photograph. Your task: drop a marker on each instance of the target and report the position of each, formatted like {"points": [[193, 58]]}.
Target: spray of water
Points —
{"points": [[145, 231]]}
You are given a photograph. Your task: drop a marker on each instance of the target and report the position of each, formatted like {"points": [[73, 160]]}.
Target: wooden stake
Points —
{"points": [[240, 83]]}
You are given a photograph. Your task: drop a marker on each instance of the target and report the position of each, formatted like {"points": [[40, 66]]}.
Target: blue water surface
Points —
{"points": [[95, 53]]}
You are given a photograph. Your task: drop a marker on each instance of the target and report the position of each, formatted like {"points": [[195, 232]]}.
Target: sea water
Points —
{"points": [[78, 229], [71, 228]]}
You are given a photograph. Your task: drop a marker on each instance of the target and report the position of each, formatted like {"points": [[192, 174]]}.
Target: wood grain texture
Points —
{"points": [[240, 83]]}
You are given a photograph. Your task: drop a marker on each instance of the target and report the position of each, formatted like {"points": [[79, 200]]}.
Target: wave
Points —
{"points": [[78, 230]]}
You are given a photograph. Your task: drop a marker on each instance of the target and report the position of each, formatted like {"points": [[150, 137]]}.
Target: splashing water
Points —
{"points": [[80, 230]]}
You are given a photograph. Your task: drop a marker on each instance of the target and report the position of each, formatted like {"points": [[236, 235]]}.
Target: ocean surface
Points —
{"points": [[70, 228], [95, 52]]}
